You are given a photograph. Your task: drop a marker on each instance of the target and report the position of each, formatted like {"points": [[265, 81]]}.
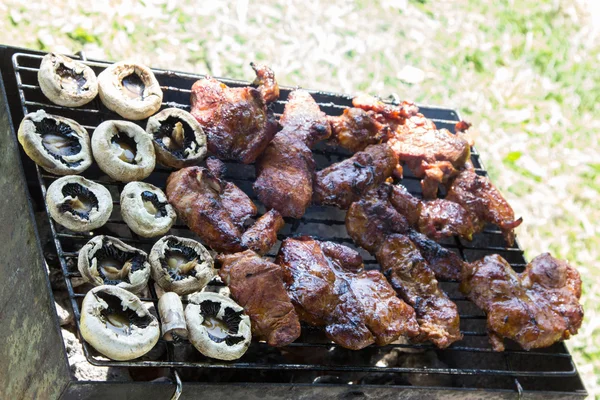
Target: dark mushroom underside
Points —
{"points": [[71, 80], [221, 330], [152, 198], [82, 202], [125, 147], [108, 256], [184, 254], [118, 320], [175, 135], [59, 140], [133, 86]]}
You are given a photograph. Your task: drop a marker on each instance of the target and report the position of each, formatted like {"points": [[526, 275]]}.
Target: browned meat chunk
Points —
{"points": [[236, 121], [444, 263], [390, 112], [345, 182], [261, 236], [437, 218], [415, 283], [216, 210], [356, 129], [257, 285], [535, 308], [265, 80], [285, 170], [329, 287], [484, 203]]}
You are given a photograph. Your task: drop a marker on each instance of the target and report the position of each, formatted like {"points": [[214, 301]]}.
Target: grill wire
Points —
{"points": [[471, 356]]}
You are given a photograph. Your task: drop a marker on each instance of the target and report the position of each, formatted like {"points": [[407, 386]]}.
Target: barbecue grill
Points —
{"points": [[35, 361]]}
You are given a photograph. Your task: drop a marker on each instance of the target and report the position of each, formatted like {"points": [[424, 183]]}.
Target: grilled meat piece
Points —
{"points": [[236, 121], [329, 287], [390, 112], [535, 308], [265, 80], [257, 285], [216, 210], [415, 283], [437, 218], [261, 236], [444, 263], [356, 129], [345, 182], [285, 170], [370, 219], [432, 155], [484, 203]]}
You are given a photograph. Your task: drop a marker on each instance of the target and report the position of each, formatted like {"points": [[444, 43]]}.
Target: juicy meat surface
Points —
{"points": [[216, 210], [346, 181], [373, 217], [257, 285], [265, 80], [536, 308], [432, 155], [286, 169], [236, 121], [444, 263], [484, 202], [329, 287], [437, 218], [356, 129], [261, 236], [390, 112], [415, 283]]}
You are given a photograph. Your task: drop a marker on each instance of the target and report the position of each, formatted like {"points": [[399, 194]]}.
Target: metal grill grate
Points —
{"points": [[471, 356]]}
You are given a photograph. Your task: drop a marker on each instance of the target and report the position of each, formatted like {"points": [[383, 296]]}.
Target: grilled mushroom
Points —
{"points": [[181, 265], [145, 209], [106, 260], [170, 309], [78, 204], [179, 140], [59, 145], [217, 326], [67, 82], [129, 89], [116, 323], [123, 150]]}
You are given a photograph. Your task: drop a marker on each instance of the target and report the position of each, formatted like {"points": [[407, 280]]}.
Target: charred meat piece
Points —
{"points": [[437, 218], [484, 203], [215, 210], [345, 182], [236, 121], [257, 285], [285, 170], [329, 287], [444, 263], [390, 112], [261, 236], [266, 83], [432, 155], [370, 219], [356, 129], [535, 308], [415, 283]]}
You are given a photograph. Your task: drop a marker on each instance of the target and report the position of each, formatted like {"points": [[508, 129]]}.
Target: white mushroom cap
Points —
{"points": [[107, 154], [133, 341], [64, 191], [235, 344], [113, 91], [32, 140], [197, 262], [188, 138], [135, 268], [146, 210], [67, 82]]}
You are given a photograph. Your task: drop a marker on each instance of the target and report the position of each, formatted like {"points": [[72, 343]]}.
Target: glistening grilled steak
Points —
{"points": [[345, 182], [484, 203], [216, 211], [257, 285], [535, 308], [415, 283], [329, 287], [236, 121], [356, 129], [284, 173]]}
